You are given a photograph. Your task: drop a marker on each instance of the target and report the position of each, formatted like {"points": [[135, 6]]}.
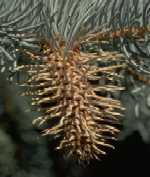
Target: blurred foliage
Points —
{"points": [[23, 151]]}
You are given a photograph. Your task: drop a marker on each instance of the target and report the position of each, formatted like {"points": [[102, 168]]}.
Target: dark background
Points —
{"points": [[25, 153]]}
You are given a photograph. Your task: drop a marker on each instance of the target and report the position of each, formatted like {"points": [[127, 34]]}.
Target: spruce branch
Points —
{"points": [[17, 24], [73, 88]]}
